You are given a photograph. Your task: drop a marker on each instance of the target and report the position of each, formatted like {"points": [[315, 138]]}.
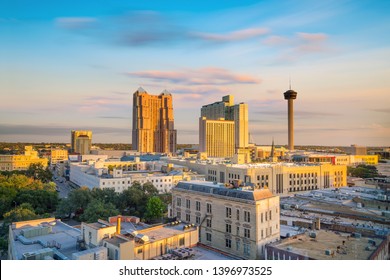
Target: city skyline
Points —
{"points": [[74, 67]]}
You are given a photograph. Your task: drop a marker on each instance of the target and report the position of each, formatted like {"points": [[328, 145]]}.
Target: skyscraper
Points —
{"points": [[153, 123], [212, 118], [81, 141]]}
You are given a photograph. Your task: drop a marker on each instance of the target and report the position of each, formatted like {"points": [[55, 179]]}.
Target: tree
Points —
{"points": [[155, 208], [97, 209], [80, 198], [64, 209], [38, 172], [23, 212]]}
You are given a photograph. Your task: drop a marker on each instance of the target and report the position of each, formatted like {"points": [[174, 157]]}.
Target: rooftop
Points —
{"points": [[35, 235], [219, 190], [349, 248]]}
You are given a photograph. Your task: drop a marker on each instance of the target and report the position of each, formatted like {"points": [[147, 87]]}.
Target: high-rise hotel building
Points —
{"points": [[153, 123], [223, 128], [81, 141]]}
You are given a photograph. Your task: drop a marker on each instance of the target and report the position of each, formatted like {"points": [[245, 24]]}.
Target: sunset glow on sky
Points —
{"points": [[75, 65]]}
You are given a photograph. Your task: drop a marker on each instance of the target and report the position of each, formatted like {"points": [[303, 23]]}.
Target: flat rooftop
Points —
{"points": [[353, 248], [219, 190], [165, 231], [62, 235]]}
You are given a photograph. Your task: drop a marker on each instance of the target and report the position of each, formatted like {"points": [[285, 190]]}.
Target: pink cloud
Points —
{"points": [[203, 76], [239, 35]]}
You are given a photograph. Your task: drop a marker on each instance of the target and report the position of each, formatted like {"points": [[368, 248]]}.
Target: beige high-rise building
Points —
{"points": [[216, 137], [225, 111], [153, 123], [239, 114], [81, 141]]}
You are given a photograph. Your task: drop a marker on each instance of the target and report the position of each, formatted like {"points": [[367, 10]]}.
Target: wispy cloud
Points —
{"points": [[299, 114], [151, 28], [300, 44], [54, 130], [76, 22], [239, 35], [382, 110], [203, 76]]}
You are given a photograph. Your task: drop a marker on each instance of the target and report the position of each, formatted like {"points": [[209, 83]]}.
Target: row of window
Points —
{"points": [[303, 175], [228, 244], [197, 205]]}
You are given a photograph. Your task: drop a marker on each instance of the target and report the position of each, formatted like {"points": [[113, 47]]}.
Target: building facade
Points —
{"points": [[279, 178], [224, 111], [234, 221], [58, 155], [21, 162], [153, 123], [81, 141], [216, 137], [122, 175]]}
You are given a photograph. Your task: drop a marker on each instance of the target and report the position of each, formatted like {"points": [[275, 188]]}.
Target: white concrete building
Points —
{"points": [[121, 175]]}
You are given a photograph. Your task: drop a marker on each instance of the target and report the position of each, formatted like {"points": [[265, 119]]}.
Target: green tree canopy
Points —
{"points": [[155, 208], [38, 172], [97, 209], [23, 212]]}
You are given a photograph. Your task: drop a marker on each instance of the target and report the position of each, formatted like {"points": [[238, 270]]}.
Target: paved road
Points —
{"points": [[63, 188]]}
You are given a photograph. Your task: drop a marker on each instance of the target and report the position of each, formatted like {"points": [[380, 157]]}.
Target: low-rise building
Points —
{"points": [[21, 162], [237, 222], [280, 178], [121, 175], [126, 239], [42, 239], [58, 155], [329, 245]]}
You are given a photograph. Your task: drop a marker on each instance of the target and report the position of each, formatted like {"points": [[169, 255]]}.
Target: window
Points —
{"points": [[262, 217], [178, 215], [178, 201], [228, 228], [238, 245], [208, 223], [228, 212], [262, 233], [266, 216], [208, 236], [181, 241], [238, 231], [247, 216], [197, 205], [188, 203], [188, 217], [238, 214], [209, 208], [270, 215], [228, 243], [247, 233], [197, 220], [247, 249], [139, 251]]}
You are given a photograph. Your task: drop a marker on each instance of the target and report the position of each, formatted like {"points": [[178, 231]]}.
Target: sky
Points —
{"points": [[75, 64]]}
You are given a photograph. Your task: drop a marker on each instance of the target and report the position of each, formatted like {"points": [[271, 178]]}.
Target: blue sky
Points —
{"points": [[75, 64]]}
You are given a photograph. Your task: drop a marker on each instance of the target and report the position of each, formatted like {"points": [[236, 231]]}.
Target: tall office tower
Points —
{"points": [[153, 123], [290, 95], [216, 137], [81, 141], [239, 114], [227, 110]]}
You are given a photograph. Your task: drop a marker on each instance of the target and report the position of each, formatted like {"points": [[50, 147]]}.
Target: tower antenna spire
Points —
{"points": [[289, 77]]}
